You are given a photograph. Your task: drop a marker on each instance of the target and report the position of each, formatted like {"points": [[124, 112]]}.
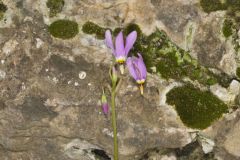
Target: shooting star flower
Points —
{"points": [[137, 69], [120, 49]]}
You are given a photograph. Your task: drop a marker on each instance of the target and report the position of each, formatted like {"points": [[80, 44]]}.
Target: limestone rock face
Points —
{"points": [[194, 30], [225, 133], [50, 89]]}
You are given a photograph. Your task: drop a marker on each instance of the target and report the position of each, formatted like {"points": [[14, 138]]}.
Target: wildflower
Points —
{"points": [[120, 49], [138, 70], [105, 107]]}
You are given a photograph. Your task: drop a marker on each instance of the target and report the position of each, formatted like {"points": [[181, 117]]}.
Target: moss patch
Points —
{"points": [[3, 9], [55, 7], [197, 109], [227, 28], [160, 53], [233, 18], [238, 72], [232, 22], [92, 28], [172, 62], [64, 29], [215, 5], [212, 5]]}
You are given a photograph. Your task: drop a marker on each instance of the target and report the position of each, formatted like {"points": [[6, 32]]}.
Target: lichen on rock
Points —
{"points": [[64, 29], [196, 108]]}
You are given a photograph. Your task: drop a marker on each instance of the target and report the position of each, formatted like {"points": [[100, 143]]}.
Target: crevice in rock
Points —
{"points": [[193, 151], [100, 154]]}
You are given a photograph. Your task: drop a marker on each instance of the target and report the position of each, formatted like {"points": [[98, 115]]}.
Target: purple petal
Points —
{"points": [[119, 45], [142, 67], [130, 40], [105, 108], [108, 40], [131, 68]]}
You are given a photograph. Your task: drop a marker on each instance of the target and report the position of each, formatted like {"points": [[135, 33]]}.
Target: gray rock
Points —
{"points": [[49, 104], [225, 134], [200, 33]]}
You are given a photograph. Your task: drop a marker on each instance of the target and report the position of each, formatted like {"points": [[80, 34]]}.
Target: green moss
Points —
{"points": [[227, 28], [238, 72], [159, 52], [55, 7], [92, 28], [232, 22], [233, 5], [64, 29], [212, 5], [3, 9], [233, 14], [132, 27], [196, 108], [171, 61], [116, 31]]}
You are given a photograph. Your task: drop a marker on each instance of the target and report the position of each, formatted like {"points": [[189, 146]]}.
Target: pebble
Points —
{"points": [[82, 75], [2, 74]]}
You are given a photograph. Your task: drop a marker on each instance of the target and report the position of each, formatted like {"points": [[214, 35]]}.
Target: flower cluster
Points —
{"points": [[121, 49]]}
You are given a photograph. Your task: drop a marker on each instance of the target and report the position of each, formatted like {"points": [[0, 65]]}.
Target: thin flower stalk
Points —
{"points": [[115, 83]]}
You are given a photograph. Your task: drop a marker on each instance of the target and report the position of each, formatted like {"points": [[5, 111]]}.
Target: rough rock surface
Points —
{"points": [[48, 112], [226, 136]]}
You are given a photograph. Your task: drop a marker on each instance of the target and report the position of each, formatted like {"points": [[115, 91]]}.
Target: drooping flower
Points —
{"points": [[137, 69], [120, 48], [105, 106]]}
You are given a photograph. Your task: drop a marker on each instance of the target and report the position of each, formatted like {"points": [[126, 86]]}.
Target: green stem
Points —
{"points": [[114, 122]]}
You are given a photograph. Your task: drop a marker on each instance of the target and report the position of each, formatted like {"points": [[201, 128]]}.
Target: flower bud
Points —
{"points": [[114, 75], [105, 107]]}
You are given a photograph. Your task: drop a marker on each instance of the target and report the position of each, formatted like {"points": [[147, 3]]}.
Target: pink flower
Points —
{"points": [[120, 49], [137, 69]]}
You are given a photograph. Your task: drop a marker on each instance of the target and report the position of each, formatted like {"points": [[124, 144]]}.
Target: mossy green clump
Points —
{"points": [[3, 9], [64, 29], [227, 28], [196, 108], [55, 7], [216, 5], [132, 27], [238, 72], [92, 28], [212, 5]]}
